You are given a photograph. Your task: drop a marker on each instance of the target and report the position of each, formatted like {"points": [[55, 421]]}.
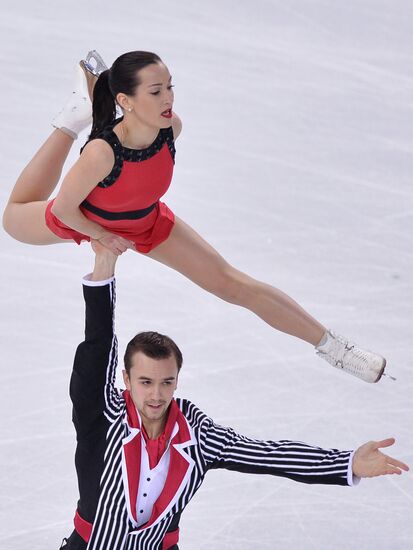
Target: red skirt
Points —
{"points": [[146, 233]]}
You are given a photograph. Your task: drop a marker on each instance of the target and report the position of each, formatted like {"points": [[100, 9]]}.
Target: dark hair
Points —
{"points": [[153, 345], [122, 77]]}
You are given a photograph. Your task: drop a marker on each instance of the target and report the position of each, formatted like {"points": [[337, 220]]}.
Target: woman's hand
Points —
{"points": [[368, 461], [116, 244]]}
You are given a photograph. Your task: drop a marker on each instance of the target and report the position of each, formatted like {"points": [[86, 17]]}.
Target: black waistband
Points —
{"points": [[131, 215]]}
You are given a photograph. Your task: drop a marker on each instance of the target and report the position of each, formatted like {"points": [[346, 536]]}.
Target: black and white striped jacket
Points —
{"points": [[107, 457]]}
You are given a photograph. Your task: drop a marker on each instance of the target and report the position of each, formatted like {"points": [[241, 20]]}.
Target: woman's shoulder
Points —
{"points": [[97, 155], [98, 149]]}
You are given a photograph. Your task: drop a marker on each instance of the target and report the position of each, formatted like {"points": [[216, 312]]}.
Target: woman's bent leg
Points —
{"points": [[24, 215], [40, 177], [26, 223]]}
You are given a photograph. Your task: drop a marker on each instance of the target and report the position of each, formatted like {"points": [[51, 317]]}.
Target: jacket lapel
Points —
{"points": [[180, 468], [131, 456], [180, 465]]}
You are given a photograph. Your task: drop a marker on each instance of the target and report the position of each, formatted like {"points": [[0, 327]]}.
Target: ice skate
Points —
{"points": [[94, 63], [344, 355], [76, 115], [92, 66]]}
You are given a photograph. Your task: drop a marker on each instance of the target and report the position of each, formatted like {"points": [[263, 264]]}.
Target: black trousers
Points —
{"points": [[75, 542]]}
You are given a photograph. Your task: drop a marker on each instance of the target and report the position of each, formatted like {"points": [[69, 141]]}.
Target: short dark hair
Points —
{"points": [[153, 345]]}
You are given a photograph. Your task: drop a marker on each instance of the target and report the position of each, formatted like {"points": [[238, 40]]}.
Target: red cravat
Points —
{"points": [[156, 447]]}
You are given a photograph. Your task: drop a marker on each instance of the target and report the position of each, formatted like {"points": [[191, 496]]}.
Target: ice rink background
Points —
{"points": [[296, 163]]}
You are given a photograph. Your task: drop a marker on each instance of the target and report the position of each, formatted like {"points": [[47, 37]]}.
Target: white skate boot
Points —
{"points": [[341, 353], [76, 115]]}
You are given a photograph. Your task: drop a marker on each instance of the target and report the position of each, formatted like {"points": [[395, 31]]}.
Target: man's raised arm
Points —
{"points": [[92, 384], [105, 262]]}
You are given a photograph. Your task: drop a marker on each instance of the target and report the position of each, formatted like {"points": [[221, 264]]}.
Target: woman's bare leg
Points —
{"points": [[187, 252], [23, 217]]}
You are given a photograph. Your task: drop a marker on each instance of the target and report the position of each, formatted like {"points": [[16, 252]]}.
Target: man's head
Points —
{"points": [[152, 364]]}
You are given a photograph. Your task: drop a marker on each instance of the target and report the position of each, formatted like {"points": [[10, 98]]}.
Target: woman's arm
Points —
{"points": [[93, 165]]}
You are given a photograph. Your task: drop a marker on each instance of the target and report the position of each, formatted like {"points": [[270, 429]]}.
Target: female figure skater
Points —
{"points": [[112, 193]]}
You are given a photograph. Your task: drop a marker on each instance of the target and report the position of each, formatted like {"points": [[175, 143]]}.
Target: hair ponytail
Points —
{"points": [[104, 105], [122, 77]]}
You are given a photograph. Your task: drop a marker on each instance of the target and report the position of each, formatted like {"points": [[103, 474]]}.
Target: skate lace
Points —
{"points": [[347, 356], [342, 354], [356, 358]]}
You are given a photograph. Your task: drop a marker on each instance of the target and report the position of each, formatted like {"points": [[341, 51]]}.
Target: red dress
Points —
{"points": [[127, 201]]}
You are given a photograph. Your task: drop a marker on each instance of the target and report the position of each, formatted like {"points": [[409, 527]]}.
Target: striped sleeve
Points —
{"points": [[224, 448]]}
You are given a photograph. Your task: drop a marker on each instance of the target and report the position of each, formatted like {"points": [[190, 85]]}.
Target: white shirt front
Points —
{"points": [[151, 483]]}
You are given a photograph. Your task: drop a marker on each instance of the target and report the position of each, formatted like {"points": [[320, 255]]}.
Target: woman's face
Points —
{"points": [[153, 99]]}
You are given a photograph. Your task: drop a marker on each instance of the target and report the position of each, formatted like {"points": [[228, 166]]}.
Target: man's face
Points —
{"points": [[152, 383]]}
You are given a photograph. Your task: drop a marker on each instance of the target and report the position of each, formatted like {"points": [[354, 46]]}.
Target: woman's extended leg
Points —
{"points": [[187, 252], [24, 215]]}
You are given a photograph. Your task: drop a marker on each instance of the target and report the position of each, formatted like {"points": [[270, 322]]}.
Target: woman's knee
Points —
{"points": [[231, 285], [7, 220], [13, 223], [26, 223]]}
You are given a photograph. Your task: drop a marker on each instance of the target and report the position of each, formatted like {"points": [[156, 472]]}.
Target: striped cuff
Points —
{"points": [[87, 282], [352, 480]]}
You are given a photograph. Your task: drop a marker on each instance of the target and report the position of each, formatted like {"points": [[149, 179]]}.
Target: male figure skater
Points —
{"points": [[141, 455]]}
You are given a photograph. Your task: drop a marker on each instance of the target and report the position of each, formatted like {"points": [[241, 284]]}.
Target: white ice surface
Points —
{"points": [[296, 163]]}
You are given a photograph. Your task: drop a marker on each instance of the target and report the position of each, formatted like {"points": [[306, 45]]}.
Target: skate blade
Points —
{"points": [[94, 63], [389, 376]]}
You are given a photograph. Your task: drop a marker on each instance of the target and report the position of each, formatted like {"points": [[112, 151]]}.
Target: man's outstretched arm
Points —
{"points": [[224, 448]]}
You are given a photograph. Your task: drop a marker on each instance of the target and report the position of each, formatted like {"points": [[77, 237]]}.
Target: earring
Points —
{"points": [[130, 109]]}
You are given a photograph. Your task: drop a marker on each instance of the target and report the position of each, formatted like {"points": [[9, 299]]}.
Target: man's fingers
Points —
{"points": [[121, 249], [392, 470], [125, 242], [384, 443], [397, 463]]}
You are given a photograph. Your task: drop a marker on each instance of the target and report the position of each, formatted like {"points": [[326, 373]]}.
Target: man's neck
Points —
{"points": [[154, 429]]}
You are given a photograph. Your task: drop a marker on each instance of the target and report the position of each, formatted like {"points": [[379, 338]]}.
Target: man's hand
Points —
{"points": [[105, 261], [115, 243], [368, 461]]}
